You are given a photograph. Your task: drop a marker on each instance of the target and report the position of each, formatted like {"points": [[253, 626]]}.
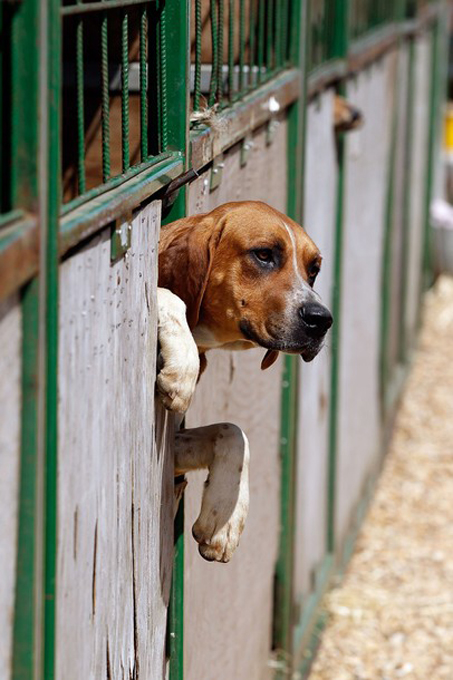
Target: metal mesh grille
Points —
{"points": [[236, 45], [114, 90]]}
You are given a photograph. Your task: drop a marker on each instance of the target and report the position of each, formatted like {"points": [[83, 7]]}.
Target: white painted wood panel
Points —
{"points": [[418, 177], [10, 406], [115, 483], [321, 175], [228, 608], [367, 166]]}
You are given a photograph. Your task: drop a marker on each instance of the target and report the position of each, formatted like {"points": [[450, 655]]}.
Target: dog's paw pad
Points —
{"points": [[218, 544]]}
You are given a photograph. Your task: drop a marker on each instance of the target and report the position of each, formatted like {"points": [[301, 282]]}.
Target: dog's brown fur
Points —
{"points": [[204, 259]]}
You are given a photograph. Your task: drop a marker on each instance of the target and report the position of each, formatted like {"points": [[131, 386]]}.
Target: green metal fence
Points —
{"points": [[237, 46], [114, 92], [323, 29], [370, 15], [95, 118]]}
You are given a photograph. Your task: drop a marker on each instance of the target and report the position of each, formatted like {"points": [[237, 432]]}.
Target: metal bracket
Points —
{"points": [[271, 130], [246, 147], [120, 241], [216, 172]]}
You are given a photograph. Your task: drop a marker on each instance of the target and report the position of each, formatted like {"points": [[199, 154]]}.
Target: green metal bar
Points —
{"points": [[241, 45], [178, 138], [335, 342], [163, 93], [270, 56], [386, 296], [341, 45], [125, 91], [83, 8], [5, 109], [105, 113], [23, 152], [143, 86], [260, 59], [435, 90], [50, 194], [176, 612], [219, 76], [286, 7], [215, 53], [283, 602], [24, 655], [403, 339], [80, 110], [22, 192], [278, 33], [252, 30], [283, 594], [231, 50], [153, 163], [154, 78], [198, 31]]}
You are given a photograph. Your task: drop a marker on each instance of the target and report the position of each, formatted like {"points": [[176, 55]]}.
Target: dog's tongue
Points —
{"points": [[269, 358]]}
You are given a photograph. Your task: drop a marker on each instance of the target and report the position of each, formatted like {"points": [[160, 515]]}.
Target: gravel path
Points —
{"points": [[392, 617]]}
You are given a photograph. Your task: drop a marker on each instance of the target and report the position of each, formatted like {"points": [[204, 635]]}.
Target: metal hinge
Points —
{"points": [[120, 241], [216, 172]]}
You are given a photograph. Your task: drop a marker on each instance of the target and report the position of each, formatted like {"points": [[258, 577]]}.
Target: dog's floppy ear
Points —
{"points": [[186, 252], [270, 358]]}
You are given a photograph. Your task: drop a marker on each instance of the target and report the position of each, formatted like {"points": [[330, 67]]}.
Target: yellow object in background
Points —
{"points": [[449, 127]]}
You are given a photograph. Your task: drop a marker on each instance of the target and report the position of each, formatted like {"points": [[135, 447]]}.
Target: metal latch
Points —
{"points": [[246, 147]]}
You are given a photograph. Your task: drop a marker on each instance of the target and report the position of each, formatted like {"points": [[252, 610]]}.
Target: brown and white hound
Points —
{"points": [[238, 277]]}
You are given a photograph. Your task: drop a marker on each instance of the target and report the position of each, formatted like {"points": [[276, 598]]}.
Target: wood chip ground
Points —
{"points": [[392, 616]]}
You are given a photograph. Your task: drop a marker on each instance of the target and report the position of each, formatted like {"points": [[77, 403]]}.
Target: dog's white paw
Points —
{"points": [[225, 501], [216, 541], [178, 376], [176, 386]]}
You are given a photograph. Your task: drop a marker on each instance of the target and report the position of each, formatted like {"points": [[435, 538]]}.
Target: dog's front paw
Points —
{"points": [[216, 541], [225, 501], [176, 383], [180, 363]]}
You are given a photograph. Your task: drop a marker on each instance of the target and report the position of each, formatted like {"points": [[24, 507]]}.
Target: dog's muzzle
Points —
{"points": [[314, 322], [316, 319]]}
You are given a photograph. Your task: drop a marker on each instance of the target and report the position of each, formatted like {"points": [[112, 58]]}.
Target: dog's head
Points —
{"points": [[346, 116], [246, 273]]}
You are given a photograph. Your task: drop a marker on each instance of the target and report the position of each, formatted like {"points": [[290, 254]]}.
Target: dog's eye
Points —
{"points": [[313, 273], [264, 255]]}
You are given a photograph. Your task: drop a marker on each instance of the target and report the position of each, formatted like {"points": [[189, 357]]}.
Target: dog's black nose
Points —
{"points": [[317, 319]]}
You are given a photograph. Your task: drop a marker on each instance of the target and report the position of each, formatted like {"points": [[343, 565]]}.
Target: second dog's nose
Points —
{"points": [[317, 318]]}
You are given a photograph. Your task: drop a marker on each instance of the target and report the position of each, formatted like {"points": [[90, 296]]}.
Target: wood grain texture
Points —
{"points": [[418, 177], [10, 406], [228, 608], [321, 175], [115, 466], [367, 165]]}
